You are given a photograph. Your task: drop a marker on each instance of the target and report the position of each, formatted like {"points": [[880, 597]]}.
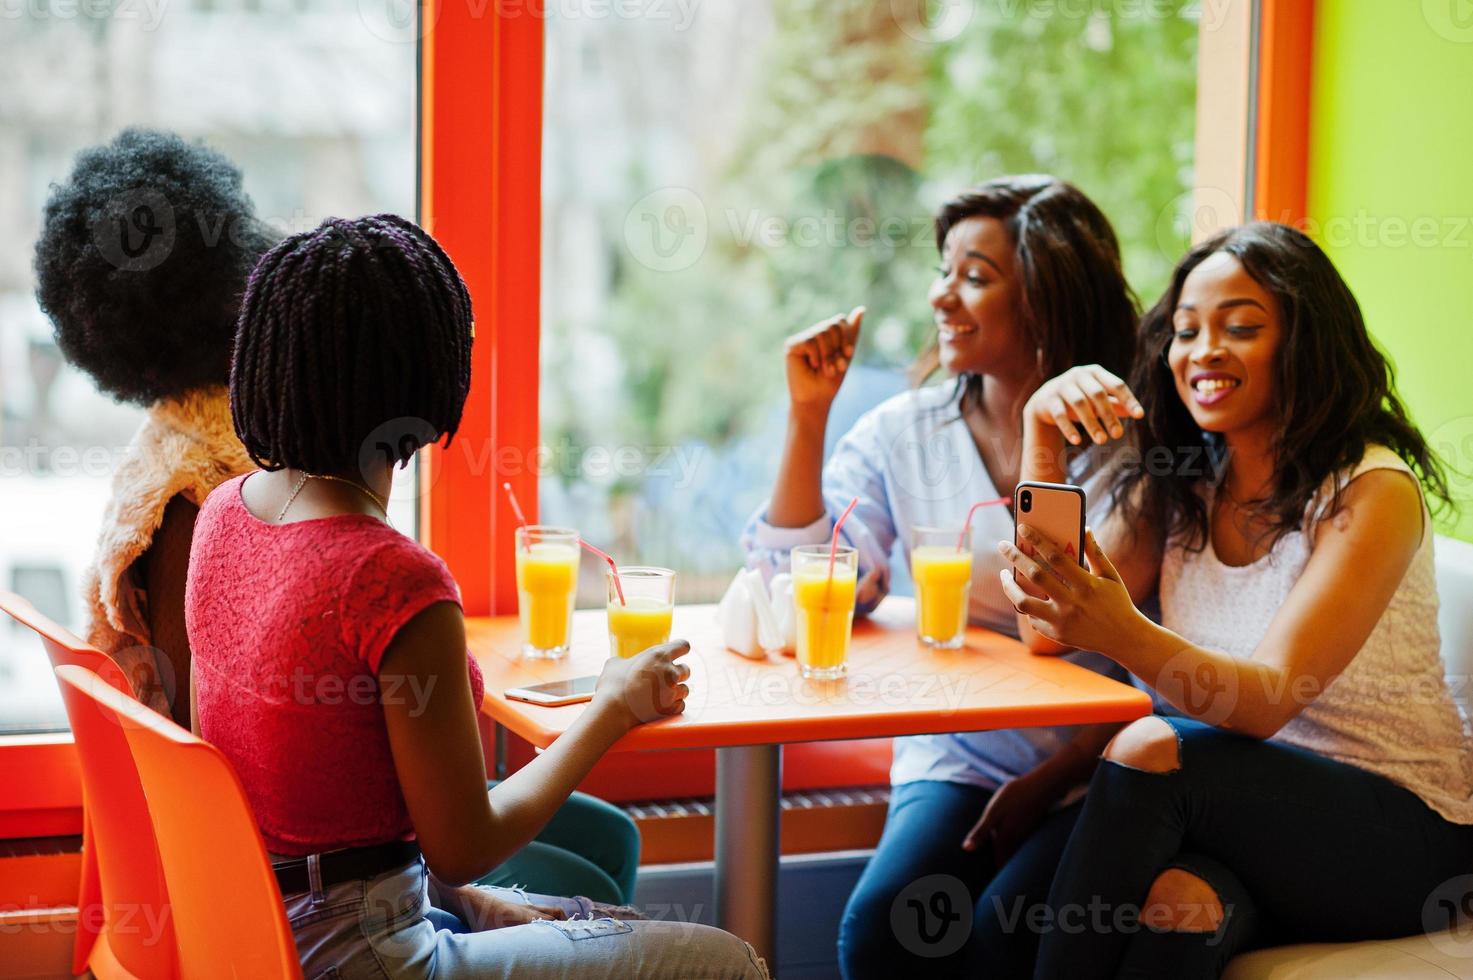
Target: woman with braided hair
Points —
{"points": [[331, 664], [151, 319]]}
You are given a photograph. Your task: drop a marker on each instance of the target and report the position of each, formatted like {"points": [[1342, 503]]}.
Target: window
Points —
{"points": [[718, 176], [314, 101]]}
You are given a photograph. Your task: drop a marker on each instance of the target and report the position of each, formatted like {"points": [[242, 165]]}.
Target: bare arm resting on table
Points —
{"points": [[463, 831]]}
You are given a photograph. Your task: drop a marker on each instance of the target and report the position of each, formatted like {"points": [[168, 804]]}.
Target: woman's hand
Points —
{"points": [[818, 358], [1089, 610], [1087, 397], [1014, 812], [645, 687], [482, 909]]}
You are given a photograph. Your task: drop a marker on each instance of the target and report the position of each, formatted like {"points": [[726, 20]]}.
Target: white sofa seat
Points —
{"points": [[1445, 954]]}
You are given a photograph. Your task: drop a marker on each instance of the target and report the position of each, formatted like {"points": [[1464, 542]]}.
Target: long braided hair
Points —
{"points": [[353, 337]]}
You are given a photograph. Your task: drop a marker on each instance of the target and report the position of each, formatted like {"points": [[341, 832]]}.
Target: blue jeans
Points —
{"points": [[1298, 847], [925, 907], [589, 848], [385, 927]]}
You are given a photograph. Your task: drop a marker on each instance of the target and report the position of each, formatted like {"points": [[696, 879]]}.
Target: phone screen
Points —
{"points": [[573, 687]]}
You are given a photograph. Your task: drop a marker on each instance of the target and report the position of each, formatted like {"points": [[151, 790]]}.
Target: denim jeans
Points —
{"points": [[1298, 847], [385, 927], [926, 908]]}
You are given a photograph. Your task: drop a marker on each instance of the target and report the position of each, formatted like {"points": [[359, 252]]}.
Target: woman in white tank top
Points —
{"points": [[1311, 777]]}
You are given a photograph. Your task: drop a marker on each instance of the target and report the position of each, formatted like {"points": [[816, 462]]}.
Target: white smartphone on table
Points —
{"points": [[556, 693]]}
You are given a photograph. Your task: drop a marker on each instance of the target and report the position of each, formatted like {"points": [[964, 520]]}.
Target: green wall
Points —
{"points": [[1391, 199]]}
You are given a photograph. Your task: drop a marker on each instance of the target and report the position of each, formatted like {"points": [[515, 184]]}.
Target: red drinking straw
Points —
{"points": [[516, 509], [961, 541], [618, 586], [834, 543]]}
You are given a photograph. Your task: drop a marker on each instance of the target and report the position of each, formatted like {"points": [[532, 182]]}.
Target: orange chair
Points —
{"points": [[228, 917], [63, 647], [137, 934]]}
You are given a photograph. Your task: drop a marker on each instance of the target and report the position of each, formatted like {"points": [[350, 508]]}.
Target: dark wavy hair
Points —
{"points": [[143, 255], [358, 330], [1076, 305], [1335, 393]]}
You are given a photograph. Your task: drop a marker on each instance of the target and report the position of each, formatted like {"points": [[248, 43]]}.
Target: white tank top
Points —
{"points": [[1390, 711]]}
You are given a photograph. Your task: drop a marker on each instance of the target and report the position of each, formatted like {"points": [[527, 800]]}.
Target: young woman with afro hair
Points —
{"points": [[142, 262]]}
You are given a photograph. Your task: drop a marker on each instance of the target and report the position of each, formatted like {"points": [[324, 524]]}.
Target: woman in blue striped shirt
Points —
{"points": [[1029, 284]]}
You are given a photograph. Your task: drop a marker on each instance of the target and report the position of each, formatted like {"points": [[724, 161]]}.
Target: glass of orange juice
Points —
{"points": [[547, 580], [943, 577], [642, 619], [825, 608]]}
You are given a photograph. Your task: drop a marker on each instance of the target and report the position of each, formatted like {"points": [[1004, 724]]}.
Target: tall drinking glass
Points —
{"points": [[642, 619], [825, 609], [547, 580], [943, 577]]}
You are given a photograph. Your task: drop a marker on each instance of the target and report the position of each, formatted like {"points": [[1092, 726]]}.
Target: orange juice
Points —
{"points": [[638, 625], [547, 577], [943, 577], [825, 617]]}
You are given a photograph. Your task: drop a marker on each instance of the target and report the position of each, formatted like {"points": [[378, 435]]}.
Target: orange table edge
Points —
{"points": [[896, 686]]}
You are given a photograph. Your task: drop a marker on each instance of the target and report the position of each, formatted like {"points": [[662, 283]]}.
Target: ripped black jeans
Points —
{"points": [[1298, 847]]}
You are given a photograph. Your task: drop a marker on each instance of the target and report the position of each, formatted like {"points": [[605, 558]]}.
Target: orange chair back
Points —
{"points": [[228, 915], [137, 937], [64, 647]]}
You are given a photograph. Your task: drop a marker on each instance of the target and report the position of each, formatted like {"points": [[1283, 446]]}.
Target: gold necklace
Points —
{"points": [[302, 482]]}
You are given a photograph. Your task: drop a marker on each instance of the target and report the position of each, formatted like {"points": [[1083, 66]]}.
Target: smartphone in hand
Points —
{"points": [[1055, 510]]}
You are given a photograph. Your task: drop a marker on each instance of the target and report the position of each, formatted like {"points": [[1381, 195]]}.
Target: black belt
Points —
{"points": [[352, 864]]}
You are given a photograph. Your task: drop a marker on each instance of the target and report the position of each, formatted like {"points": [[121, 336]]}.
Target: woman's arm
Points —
{"points": [[1361, 554], [463, 831], [165, 569], [816, 361], [1019, 805], [1086, 402], [856, 469]]}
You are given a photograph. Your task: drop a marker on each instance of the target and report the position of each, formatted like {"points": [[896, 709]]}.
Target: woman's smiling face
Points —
{"points": [[975, 302], [1227, 331]]}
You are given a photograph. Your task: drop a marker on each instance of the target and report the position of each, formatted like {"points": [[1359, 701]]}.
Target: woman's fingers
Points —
{"points": [[1026, 604], [1059, 412], [1083, 409], [1099, 562], [1052, 556], [1124, 397], [1037, 574], [1104, 407], [851, 330]]}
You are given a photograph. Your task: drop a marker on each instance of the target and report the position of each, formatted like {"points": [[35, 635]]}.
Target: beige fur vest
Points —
{"points": [[186, 446]]}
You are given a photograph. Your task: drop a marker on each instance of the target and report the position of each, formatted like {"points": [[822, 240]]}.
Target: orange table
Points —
{"points": [[747, 709]]}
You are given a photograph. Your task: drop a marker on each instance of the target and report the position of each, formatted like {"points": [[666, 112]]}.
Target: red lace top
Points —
{"points": [[288, 624]]}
